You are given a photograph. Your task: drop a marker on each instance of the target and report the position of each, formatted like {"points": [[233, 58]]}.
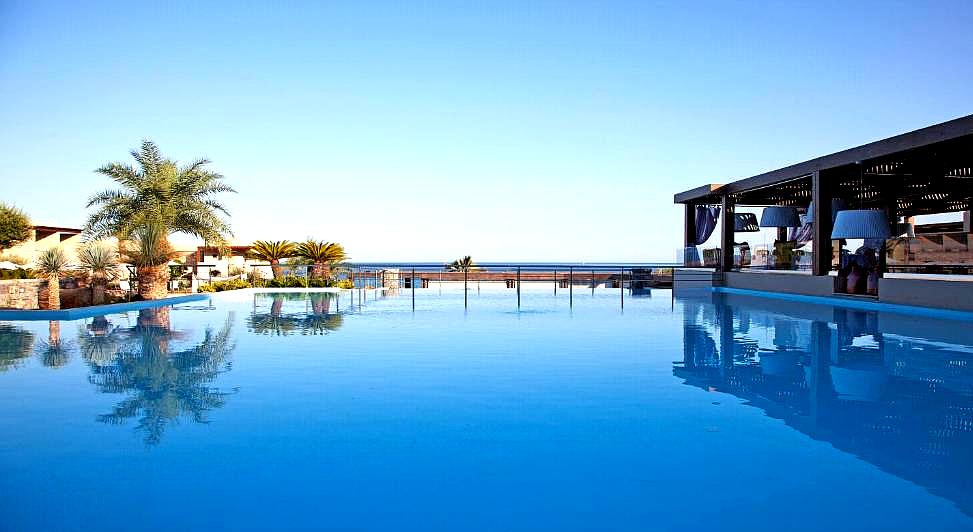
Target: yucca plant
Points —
{"points": [[51, 264], [464, 264], [273, 252], [101, 260], [325, 256], [174, 198], [149, 251]]}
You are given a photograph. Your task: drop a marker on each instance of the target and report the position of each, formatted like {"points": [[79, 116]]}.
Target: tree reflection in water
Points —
{"points": [[54, 353], [315, 318], [99, 341], [16, 345], [163, 384]]}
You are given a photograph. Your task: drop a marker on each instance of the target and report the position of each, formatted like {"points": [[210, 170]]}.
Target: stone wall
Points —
{"points": [[21, 294]]}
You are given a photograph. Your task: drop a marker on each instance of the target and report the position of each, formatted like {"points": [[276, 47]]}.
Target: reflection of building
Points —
{"points": [[895, 391]]}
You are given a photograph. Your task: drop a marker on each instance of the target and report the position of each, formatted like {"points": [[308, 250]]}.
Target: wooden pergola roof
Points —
{"points": [[923, 171]]}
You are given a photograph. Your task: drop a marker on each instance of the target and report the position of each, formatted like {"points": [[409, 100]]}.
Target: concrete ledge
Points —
{"points": [[939, 293], [100, 310], [842, 302], [787, 282]]}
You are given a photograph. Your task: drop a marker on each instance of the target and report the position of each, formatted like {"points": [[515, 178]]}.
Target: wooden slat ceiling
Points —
{"points": [[931, 180]]}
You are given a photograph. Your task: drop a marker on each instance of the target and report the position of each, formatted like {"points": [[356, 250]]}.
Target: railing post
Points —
{"points": [[518, 287], [555, 281], [412, 283], [621, 286], [571, 286], [465, 289], [592, 282]]}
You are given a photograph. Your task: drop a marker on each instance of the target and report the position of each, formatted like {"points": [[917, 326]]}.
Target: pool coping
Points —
{"points": [[927, 312], [100, 310]]}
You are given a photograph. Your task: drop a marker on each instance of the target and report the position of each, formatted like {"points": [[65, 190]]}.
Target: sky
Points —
{"points": [[424, 131]]}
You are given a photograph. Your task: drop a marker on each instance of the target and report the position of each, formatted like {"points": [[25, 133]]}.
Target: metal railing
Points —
{"points": [[566, 278]]}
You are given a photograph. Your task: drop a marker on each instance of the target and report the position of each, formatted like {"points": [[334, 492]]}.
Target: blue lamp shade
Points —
{"points": [[780, 217], [745, 222], [861, 224], [837, 204]]}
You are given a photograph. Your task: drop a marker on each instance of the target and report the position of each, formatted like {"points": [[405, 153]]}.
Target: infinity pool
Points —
{"points": [[298, 411]]}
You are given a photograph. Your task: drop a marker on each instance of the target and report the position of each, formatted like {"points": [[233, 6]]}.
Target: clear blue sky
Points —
{"points": [[520, 131]]}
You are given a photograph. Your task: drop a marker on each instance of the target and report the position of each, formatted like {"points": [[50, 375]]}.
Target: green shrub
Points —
{"points": [[222, 286], [289, 281], [19, 273], [14, 226]]}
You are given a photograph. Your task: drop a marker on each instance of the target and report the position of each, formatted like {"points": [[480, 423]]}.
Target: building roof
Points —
{"points": [[56, 229], [954, 136]]}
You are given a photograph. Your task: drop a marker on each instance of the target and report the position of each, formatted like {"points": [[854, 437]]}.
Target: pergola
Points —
{"points": [[926, 171]]}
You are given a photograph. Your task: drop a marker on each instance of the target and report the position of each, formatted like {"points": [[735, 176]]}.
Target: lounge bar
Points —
{"points": [[887, 222]]}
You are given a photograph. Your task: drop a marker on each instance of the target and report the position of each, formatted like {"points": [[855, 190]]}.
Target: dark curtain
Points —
{"points": [[802, 234], [706, 218]]}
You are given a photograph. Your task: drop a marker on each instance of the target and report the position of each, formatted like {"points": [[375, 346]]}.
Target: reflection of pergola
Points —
{"points": [[926, 171]]}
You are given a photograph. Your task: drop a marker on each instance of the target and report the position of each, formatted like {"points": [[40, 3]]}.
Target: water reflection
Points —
{"points": [[163, 383], [16, 345], [54, 353], [895, 391], [285, 313]]}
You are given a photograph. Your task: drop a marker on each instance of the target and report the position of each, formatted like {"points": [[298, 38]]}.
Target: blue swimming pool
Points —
{"points": [[298, 411]]}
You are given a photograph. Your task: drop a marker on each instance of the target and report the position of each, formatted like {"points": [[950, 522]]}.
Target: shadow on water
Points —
{"points": [[893, 390], [162, 383], [287, 313]]}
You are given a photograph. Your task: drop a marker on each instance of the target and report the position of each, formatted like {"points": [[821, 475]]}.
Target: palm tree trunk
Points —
{"points": [[54, 292], [277, 306], [98, 285], [275, 268], [153, 281], [319, 270], [54, 333], [155, 318]]}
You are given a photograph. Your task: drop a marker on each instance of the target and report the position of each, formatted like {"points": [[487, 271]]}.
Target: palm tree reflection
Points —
{"points": [[163, 384], [313, 319], [99, 341], [54, 353]]}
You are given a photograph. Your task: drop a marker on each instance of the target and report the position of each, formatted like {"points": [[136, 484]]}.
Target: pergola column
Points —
{"points": [[726, 234], [689, 225], [822, 191]]}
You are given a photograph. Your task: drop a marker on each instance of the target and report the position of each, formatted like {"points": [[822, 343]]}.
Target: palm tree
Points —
{"points": [[101, 259], [464, 264], [51, 263], [273, 252], [150, 252], [325, 256], [159, 192]]}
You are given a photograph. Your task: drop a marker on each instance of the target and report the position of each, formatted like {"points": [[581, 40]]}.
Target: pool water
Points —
{"points": [[309, 411]]}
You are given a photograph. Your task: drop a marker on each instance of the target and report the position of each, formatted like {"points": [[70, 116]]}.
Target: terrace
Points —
{"points": [[888, 221]]}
